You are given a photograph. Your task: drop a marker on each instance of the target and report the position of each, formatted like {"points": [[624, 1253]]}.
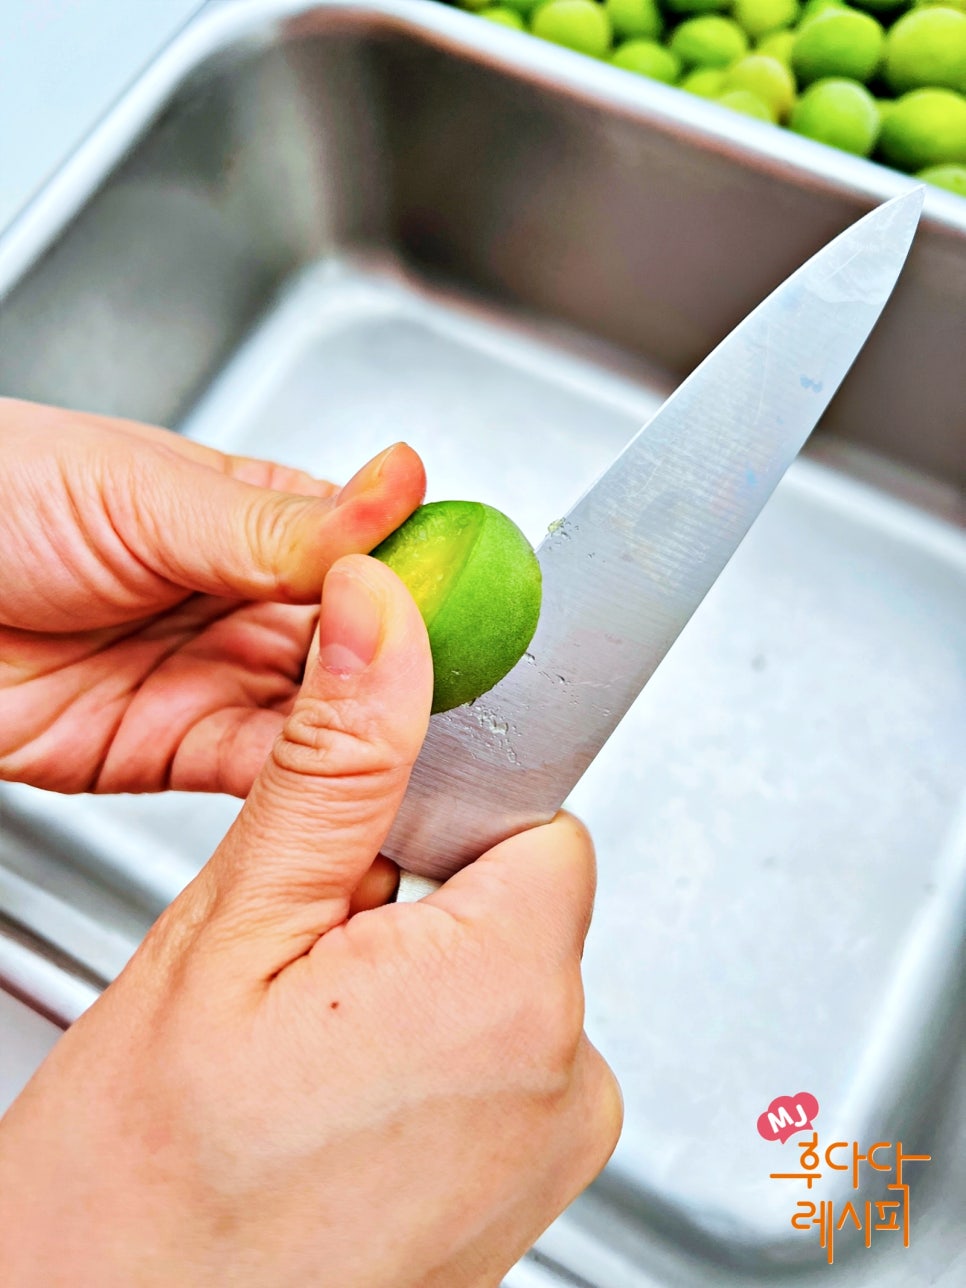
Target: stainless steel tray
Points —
{"points": [[311, 230]]}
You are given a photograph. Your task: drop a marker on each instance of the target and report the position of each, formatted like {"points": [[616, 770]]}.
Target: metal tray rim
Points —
{"points": [[704, 124]]}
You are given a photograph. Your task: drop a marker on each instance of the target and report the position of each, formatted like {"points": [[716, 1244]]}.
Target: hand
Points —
{"points": [[148, 638], [275, 1094]]}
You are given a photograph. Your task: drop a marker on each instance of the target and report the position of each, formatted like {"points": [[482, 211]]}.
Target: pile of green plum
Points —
{"points": [[882, 78]]}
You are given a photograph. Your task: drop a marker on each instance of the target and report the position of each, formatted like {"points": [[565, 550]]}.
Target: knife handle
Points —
{"points": [[413, 888]]}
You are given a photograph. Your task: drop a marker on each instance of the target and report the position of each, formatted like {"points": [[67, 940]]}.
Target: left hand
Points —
{"points": [[157, 598]]}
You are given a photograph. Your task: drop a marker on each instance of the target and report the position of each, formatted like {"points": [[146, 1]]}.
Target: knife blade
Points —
{"points": [[626, 568]]}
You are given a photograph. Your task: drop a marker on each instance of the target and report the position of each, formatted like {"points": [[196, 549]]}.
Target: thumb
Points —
{"points": [[326, 797], [211, 532]]}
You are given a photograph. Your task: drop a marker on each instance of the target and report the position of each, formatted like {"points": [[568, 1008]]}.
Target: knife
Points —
{"points": [[626, 568]]}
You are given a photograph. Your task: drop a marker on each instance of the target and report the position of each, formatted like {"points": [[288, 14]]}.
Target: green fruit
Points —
{"points": [[841, 113], [504, 17], [759, 17], [927, 47], [577, 24], [706, 82], [696, 6], [709, 41], [630, 18], [522, 7], [648, 58], [476, 582], [767, 78], [950, 177], [942, 4], [925, 127], [742, 100], [839, 42], [777, 45], [812, 8], [884, 106]]}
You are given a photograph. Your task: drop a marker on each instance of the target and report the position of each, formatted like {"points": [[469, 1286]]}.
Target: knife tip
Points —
{"points": [[900, 216]]}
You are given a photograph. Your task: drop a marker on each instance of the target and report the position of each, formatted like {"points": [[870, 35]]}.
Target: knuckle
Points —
{"points": [[179, 927], [551, 1024], [271, 533], [318, 757], [316, 725], [602, 1109], [324, 739]]}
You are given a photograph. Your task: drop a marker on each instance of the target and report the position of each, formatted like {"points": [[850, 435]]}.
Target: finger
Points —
{"points": [[225, 751], [537, 888], [248, 469], [204, 715], [323, 804], [376, 888], [214, 533], [254, 469], [272, 474], [262, 473]]}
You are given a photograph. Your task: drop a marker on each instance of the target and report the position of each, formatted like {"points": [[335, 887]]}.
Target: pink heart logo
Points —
{"points": [[787, 1115]]}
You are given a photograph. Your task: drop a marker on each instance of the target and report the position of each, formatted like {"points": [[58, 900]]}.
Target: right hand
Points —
{"points": [[277, 1093]]}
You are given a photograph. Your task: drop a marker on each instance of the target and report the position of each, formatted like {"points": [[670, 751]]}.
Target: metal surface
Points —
{"points": [[778, 819], [627, 566], [61, 66], [37, 976]]}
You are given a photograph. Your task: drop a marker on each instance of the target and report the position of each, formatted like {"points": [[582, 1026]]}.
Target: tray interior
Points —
{"points": [[779, 819]]}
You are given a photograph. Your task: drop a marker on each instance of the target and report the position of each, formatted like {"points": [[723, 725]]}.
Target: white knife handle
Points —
{"points": [[413, 888]]}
